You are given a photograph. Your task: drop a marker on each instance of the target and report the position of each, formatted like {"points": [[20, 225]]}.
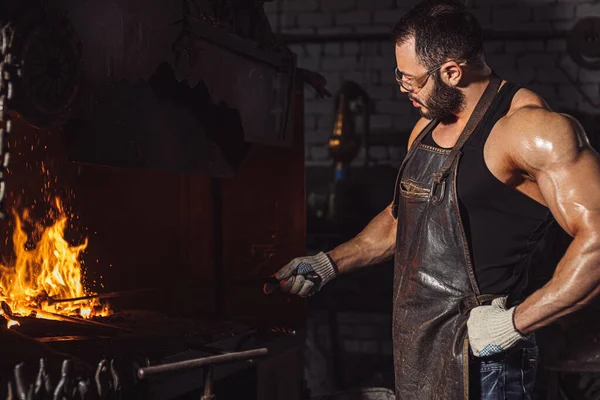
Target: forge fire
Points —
{"points": [[44, 272]]}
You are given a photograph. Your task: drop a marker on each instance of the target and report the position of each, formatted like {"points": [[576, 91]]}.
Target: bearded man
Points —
{"points": [[489, 167]]}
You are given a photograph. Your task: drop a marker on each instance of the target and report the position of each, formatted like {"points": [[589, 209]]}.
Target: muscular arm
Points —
{"points": [[567, 171], [373, 245]]}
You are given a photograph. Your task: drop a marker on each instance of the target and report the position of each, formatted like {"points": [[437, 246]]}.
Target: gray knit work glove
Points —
{"points": [[491, 328], [304, 276]]}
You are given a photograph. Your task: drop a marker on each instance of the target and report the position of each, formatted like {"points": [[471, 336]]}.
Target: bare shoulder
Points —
{"points": [[509, 128], [418, 128], [537, 137]]}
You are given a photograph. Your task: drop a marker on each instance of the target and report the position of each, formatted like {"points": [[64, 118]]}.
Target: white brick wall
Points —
{"points": [[541, 65]]}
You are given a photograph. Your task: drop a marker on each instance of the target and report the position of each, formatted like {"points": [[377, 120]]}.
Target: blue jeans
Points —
{"points": [[506, 376]]}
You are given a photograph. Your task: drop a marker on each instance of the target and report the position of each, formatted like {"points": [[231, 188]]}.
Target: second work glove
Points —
{"points": [[304, 276], [491, 329]]}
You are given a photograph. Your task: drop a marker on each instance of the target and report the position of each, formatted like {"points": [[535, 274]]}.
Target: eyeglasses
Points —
{"points": [[416, 82]]}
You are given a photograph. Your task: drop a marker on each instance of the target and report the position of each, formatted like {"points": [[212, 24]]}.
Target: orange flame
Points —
{"points": [[49, 271]]}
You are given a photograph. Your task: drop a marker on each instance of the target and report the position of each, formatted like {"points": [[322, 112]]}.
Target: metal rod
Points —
{"points": [[52, 300], [143, 373], [521, 36]]}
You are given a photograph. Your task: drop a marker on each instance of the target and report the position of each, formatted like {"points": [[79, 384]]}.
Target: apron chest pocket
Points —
{"points": [[411, 188]]}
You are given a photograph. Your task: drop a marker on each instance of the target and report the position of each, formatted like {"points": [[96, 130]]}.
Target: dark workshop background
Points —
{"points": [[349, 330]]}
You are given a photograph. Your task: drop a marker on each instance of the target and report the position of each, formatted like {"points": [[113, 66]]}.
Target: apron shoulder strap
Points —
{"points": [[484, 103], [428, 128]]}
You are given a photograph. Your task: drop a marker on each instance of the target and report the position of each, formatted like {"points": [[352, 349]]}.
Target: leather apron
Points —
{"points": [[434, 283]]}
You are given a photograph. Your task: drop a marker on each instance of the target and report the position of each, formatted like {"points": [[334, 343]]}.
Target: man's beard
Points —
{"points": [[444, 100]]}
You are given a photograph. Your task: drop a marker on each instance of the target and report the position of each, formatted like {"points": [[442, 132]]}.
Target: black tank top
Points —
{"points": [[503, 226]]}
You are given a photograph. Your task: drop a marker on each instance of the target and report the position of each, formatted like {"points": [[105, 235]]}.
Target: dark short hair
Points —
{"points": [[443, 30]]}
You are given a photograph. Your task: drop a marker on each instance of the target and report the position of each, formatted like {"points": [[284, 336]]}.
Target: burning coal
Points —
{"points": [[47, 271]]}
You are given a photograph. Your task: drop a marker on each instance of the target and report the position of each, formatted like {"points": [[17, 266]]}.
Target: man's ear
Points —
{"points": [[451, 73]]}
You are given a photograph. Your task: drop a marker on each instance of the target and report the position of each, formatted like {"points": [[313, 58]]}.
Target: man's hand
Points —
{"points": [[304, 276], [491, 329]]}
